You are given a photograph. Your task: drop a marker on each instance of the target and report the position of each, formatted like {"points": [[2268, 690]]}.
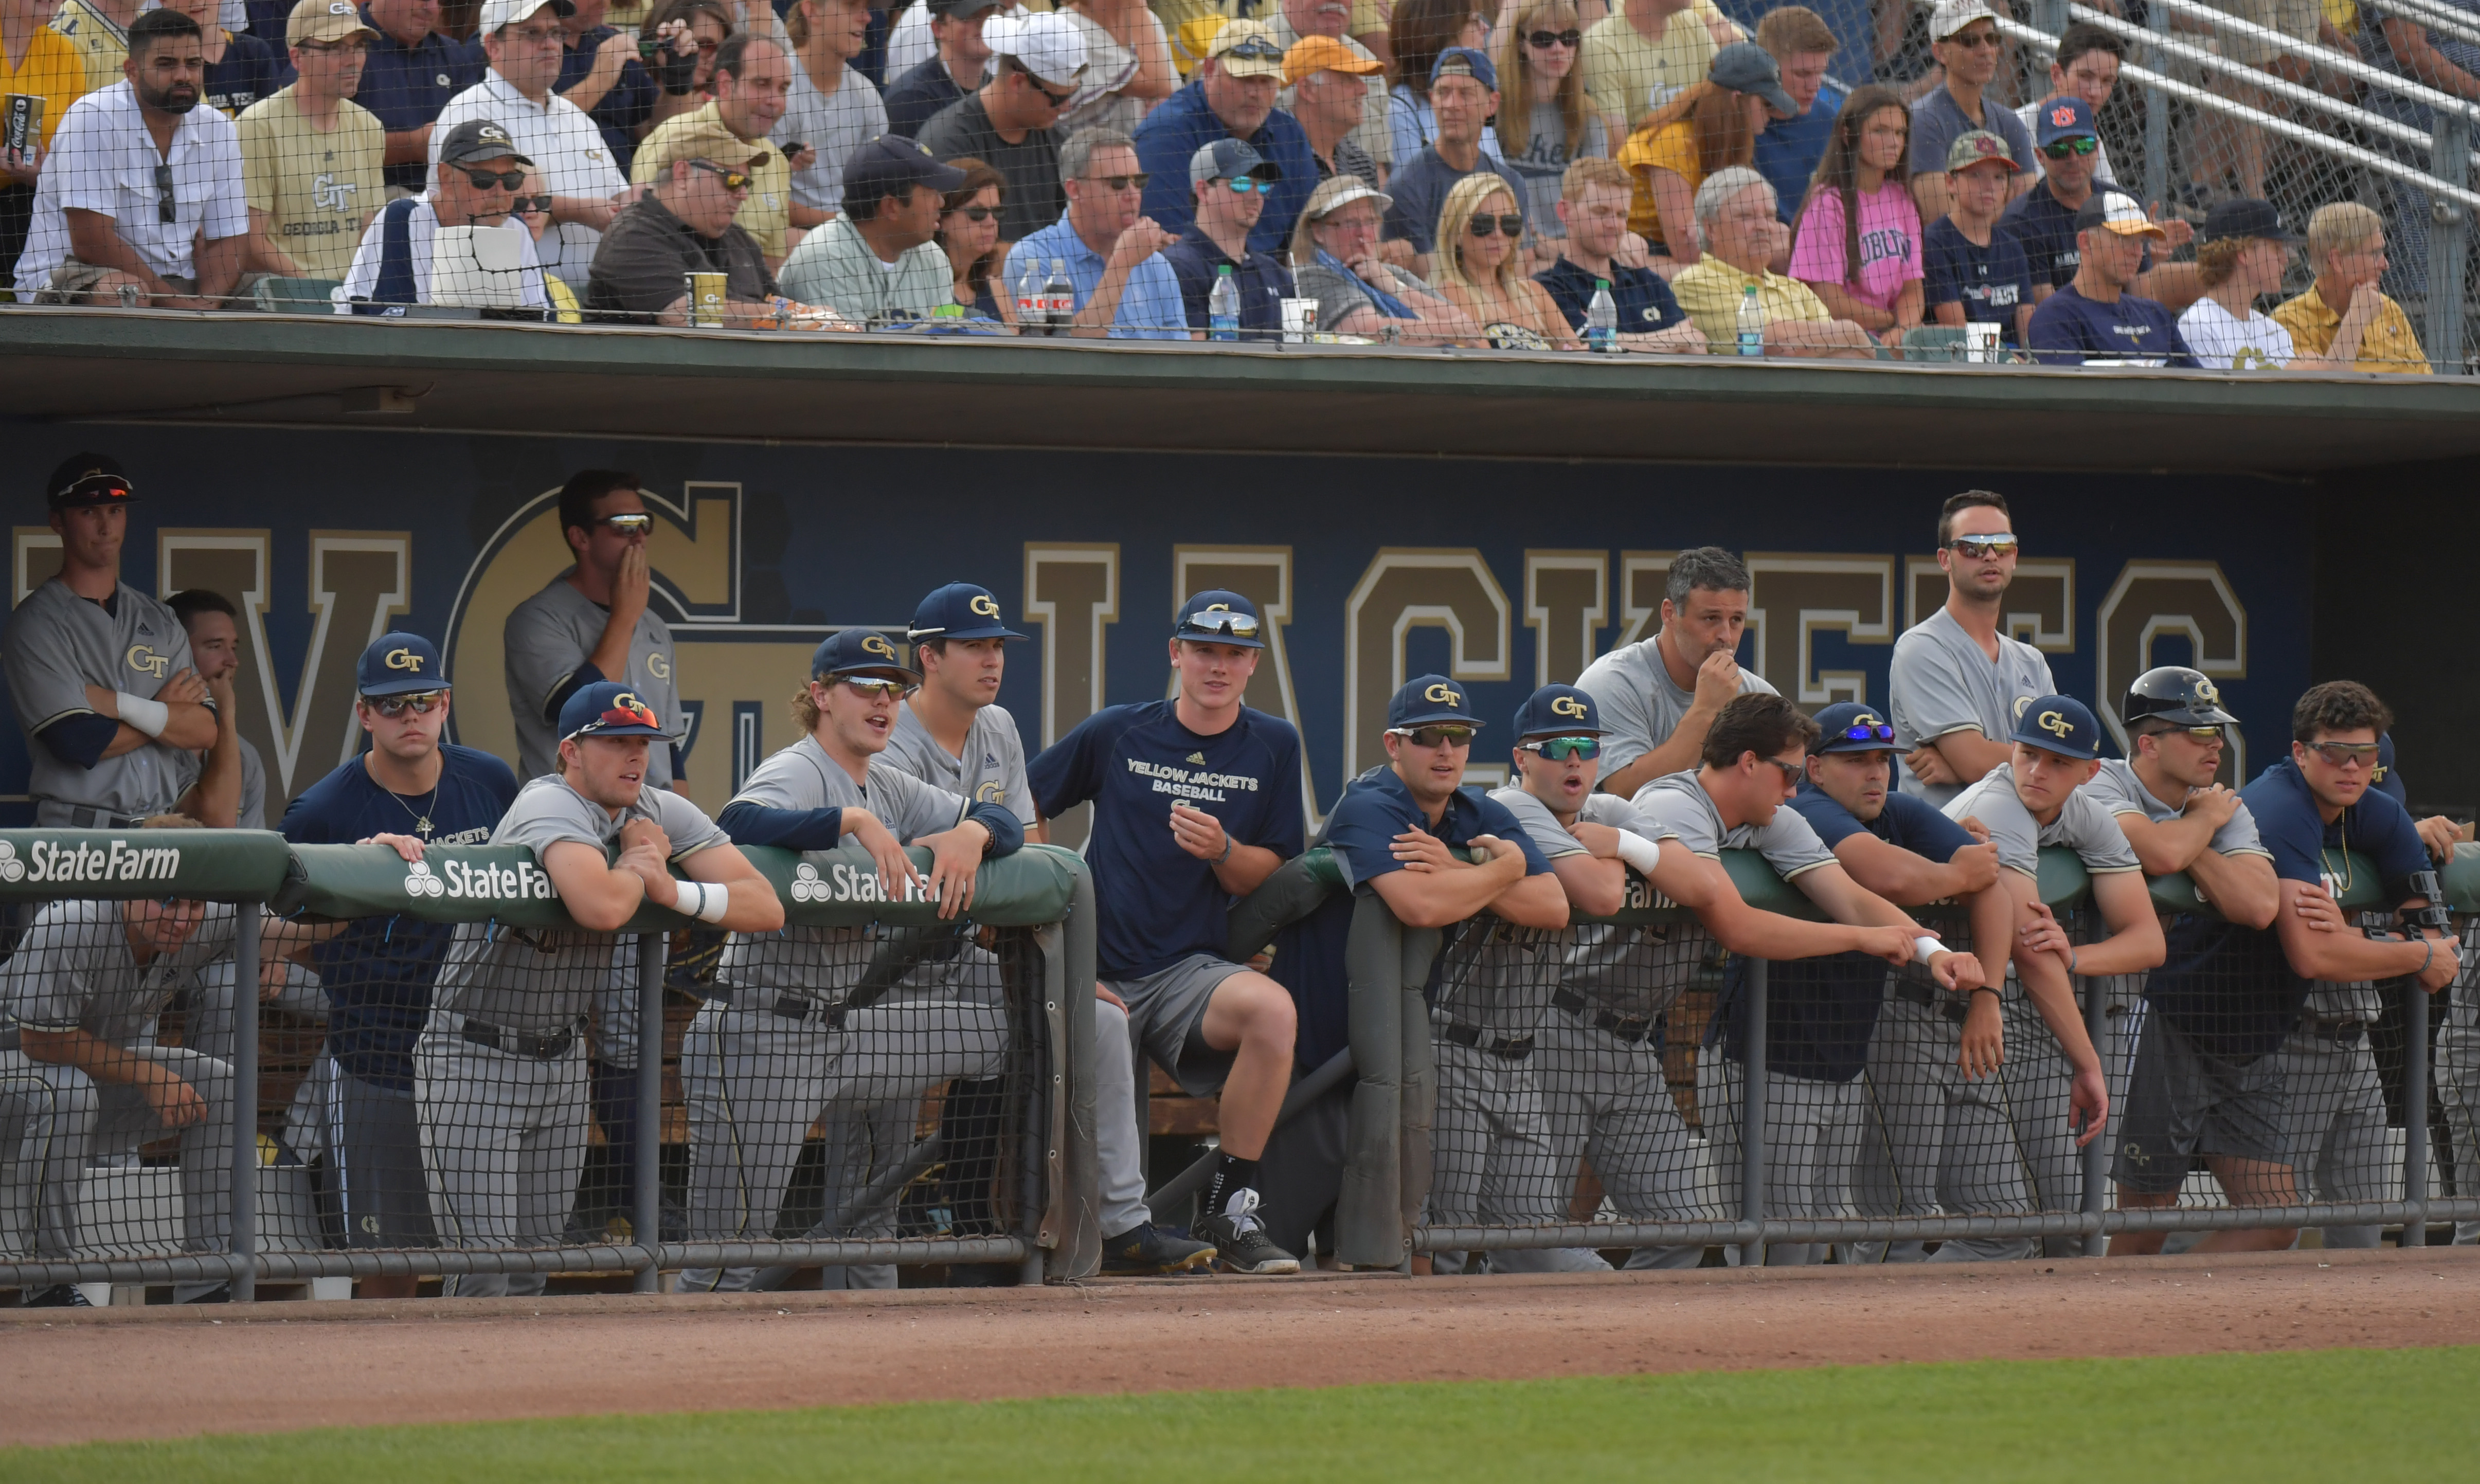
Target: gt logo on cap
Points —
{"points": [[1444, 694], [493, 132], [874, 645], [1567, 705], [341, 8], [401, 659], [986, 606], [1871, 719], [2209, 693], [2054, 723]]}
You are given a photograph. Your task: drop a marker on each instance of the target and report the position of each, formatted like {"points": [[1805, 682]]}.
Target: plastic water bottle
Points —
{"points": [[1059, 298], [1223, 306], [1031, 317], [1602, 320], [1752, 323]]}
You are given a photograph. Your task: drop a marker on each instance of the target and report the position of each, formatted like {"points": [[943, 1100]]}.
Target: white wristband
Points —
{"points": [[151, 717], [713, 900], [688, 898], [1638, 851], [1923, 947]]}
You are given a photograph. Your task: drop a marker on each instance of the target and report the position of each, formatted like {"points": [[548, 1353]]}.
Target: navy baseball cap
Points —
{"points": [[1216, 616], [399, 664], [607, 708], [87, 479], [2065, 116], [1558, 711], [2060, 724], [859, 652], [1465, 62], [2244, 216], [1744, 66], [1229, 159], [1429, 700], [892, 165], [960, 610], [1853, 726]]}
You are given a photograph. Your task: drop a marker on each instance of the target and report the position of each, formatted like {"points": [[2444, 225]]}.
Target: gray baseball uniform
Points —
{"points": [[252, 814], [2458, 1074], [991, 770], [500, 1076], [548, 638], [1942, 681], [57, 644], [1640, 705]]}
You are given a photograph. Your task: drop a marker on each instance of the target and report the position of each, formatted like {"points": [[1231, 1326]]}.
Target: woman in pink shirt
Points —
{"points": [[1858, 241]]}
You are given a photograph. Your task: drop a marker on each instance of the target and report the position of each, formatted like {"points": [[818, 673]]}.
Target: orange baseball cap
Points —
{"points": [[1324, 53]]}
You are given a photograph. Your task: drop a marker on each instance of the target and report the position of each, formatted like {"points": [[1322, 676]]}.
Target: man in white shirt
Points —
{"points": [[523, 39], [143, 192], [474, 183]]}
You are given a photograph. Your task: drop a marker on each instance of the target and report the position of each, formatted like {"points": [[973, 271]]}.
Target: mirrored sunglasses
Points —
{"points": [[1220, 621], [1561, 748], [1977, 547], [421, 702]]}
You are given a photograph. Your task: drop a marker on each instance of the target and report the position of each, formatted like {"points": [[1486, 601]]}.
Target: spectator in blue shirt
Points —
{"points": [[1974, 269], [412, 70], [1233, 95], [1464, 94], [1112, 253], [1803, 46], [598, 71], [1593, 204], [1230, 181], [2099, 317]]}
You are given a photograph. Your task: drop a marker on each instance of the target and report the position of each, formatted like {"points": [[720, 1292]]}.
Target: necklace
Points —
{"points": [[421, 818]]}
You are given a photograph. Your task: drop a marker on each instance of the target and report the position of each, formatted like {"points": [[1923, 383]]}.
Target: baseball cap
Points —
{"points": [[497, 13], [87, 479], [1229, 159], [892, 165], [1247, 48], [2113, 212], [2178, 695], [962, 9], [607, 708], [960, 610], [1558, 711], [1837, 723], [2245, 218], [858, 651], [1425, 699], [1465, 62], [1047, 42], [1744, 66], [1310, 54], [2060, 724], [1217, 616], [704, 138], [2063, 117], [325, 20], [1953, 15], [1971, 148], [478, 139], [1342, 191], [399, 664]]}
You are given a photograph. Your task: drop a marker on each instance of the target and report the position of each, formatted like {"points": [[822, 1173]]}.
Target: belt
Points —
{"points": [[1946, 1005], [84, 818], [517, 1044], [793, 1007], [1508, 1048], [2341, 1032], [1634, 1029]]}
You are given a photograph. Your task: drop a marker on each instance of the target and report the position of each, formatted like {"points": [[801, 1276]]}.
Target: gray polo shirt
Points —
{"points": [[1640, 705], [548, 637], [991, 770], [2085, 825], [75, 971], [1941, 682], [57, 644], [1626, 971]]}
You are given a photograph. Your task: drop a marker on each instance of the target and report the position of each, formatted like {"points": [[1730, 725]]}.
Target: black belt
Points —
{"points": [[1510, 1048], [789, 1007], [2341, 1032], [84, 818], [517, 1044], [1947, 1005], [1634, 1029]]}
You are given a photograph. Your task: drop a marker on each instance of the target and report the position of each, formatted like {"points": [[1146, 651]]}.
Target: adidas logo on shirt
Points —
{"points": [[1197, 758]]}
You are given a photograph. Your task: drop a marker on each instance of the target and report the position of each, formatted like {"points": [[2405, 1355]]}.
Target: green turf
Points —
{"points": [[2328, 1415]]}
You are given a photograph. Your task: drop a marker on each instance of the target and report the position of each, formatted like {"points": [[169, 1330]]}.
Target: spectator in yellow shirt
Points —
{"points": [[313, 159], [1735, 212], [1710, 127], [39, 62], [2346, 246], [1647, 52]]}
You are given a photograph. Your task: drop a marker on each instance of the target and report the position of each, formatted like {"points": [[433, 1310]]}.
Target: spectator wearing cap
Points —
{"points": [[751, 77], [37, 61], [1593, 205], [311, 158], [1645, 53], [142, 191], [1128, 68], [1337, 261], [1858, 241], [1972, 268], [1232, 96], [522, 39], [2346, 250], [601, 73], [2100, 317], [1416, 34], [2084, 67], [2240, 257], [1464, 93], [100, 674], [1006, 123], [2043, 219], [955, 69], [475, 184], [1963, 36], [831, 107], [412, 70], [1803, 46], [686, 223], [1230, 182], [1710, 127], [1316, 38], [1112, 252], [1735, 216], [877, 262]]}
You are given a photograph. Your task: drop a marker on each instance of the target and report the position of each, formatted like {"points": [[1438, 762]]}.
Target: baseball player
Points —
{"points": [[99, 673], [232, 766], [2207, 1082], [500, 1081], [953, 734], [1930, 1055], [1958, 680], [780, 1045], [1195, 802], [2055, 1106], [82, 994], [1658, 697], [2457, 1064]]}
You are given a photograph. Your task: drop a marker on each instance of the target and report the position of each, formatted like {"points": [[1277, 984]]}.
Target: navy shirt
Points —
{"points": [[377, 972], [2386, 780], [267, 19], [630, 103], [248, 70], [917, 95], [2045, 227], [1420, 187], [1989, 282], [408, 86], [1182, 125], [1789, 149], [1377, 807], [2067, 328], [1158, 904], [1645, 302], [1264, 284]]}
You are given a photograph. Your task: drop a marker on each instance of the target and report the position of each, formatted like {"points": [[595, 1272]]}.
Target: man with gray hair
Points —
{"points": [[1658, 697], [1743, 237], [1112, 253]]}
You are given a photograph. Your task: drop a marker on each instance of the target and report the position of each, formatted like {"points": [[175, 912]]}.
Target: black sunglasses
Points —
{"points": [[532, 203], [484, 180], [1436, 736], [2067, 149], [733, 180], [1485, 225], [1057, 99], [978, 213], [166, 209], [1135, 182], [1546, 40]]}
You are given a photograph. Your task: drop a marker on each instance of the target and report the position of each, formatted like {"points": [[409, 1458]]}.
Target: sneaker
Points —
{"points": [[1240, 1239], [1145, 1250], [59, 1295]]}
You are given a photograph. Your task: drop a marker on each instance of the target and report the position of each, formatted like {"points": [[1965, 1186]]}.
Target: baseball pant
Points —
{"points": [[42, 1154], [74, 1120], [1491, 1163], [2337, 1127], [1939, 1143], [2458, 1088], [504, 1140], [1118, 1146], [2038, 1083], [1812, 1139], [210, 1030], [1609, 1106]]}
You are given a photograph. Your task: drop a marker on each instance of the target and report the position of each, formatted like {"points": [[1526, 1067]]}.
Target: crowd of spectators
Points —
{"points": [[180, 161]]}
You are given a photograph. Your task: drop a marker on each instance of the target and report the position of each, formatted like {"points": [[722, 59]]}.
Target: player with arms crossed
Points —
{"points": [[1959, 682]]}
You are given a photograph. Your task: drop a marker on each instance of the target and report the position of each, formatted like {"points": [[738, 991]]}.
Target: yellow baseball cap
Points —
{"points": [[325, 20], [703, 138], [1325, 54]]}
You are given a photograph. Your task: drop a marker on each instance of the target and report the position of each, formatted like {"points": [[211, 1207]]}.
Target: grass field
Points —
{"points": [[2300, 1415]]}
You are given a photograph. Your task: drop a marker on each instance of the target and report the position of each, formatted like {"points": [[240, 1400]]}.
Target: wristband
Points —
{"points": [[151, 717], [2426, 959], [1923, 947], [2071, 959], [1985, 989], [1227, 842], [686, 904], [1638, 851], [714, 900]]}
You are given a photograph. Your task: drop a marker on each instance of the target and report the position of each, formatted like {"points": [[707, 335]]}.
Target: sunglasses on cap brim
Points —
{"points": [[1864, 732], [1208, 624], [620, 716]]}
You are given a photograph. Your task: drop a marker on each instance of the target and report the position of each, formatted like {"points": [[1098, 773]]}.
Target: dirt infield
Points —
{"points": [[169, 1373]]}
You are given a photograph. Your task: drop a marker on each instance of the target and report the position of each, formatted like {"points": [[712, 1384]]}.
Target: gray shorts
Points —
{"points": [[2184, 1103], [375, 1165], [1167, 1014]]}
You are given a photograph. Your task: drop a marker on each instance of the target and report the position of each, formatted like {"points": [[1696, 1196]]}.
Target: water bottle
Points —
{"points": [[1059, 298], [1752, 323], [1602, 320], [1223, 306], [1031, 318]]}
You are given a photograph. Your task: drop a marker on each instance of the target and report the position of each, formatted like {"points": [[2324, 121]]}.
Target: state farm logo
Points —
{"points": [[11, 869], [479, 881], [420, 882], [843, 882]]}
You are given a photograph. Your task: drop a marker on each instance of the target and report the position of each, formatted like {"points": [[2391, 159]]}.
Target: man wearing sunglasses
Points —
{"points": [[1957, 683], [1232, 98], [526, 44], [1039, 65], [475, 184], [687, 223], [1963, 36], [1112, 252], [1230, 182], [2043, 219], [753, 84]]}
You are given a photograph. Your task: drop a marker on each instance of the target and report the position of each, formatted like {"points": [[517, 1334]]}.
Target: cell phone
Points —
{"points": [[793, 149]]}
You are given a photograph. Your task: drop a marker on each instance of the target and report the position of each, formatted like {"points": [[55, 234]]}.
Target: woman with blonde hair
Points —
{"points": [[1482, 272], [1545, 123], [1335, 263], [1710, 127]]}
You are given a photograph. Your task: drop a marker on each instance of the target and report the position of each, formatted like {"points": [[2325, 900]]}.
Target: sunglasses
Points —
{"points": [[486, 180], [1255, 48], [1436, 736], [1976, 548], [1242, 184], [2343, 755], [1791, 772], [532, 203], [1976, 38], [1136, 182], [975, 213], [1561, 748], [2195, 733], [166, 210], [1485, 225], [1057, 99], [1864, 732], [630, 525], [420, 702], [629, 716], [733, 180], [2068, 149], [1546, 40], [875, 684], [1220, 621]]}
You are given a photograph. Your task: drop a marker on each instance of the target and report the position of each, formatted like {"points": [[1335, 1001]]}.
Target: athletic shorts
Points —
{"points": [[1167, 1010], [375, 1165], [2184, 1103]]}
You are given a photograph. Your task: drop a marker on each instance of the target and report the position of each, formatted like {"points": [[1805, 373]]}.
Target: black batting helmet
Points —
{"points": [[2177, 695]]}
